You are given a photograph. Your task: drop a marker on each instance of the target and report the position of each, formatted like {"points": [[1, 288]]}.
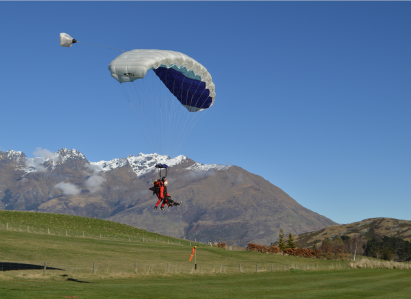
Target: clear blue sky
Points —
{"points": [[312, 96]]}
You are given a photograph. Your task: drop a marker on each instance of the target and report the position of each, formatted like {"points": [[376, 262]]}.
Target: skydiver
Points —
{"points": [[160, 189]]}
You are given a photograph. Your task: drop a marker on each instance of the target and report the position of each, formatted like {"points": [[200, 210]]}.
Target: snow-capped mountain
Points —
{"points": [[220, 202], [141, 164]]}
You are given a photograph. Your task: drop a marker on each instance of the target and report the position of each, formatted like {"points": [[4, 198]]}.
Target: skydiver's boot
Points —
{"points": [[155, 208], [162, 208]]}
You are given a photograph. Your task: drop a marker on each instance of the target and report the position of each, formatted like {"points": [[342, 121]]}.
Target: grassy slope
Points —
{"points": [[115, 256], [120, 248]]}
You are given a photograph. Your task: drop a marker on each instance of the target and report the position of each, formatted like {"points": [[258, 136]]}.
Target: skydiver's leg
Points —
{"points": [[158, 202], [164, 202]]}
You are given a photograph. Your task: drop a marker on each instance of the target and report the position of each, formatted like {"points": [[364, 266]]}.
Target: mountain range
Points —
{"points": [[220, 202]]}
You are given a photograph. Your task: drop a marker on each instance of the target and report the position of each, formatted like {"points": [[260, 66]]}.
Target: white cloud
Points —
{"points": [[95, 181], [41, 156], [68, 188], [46, 154], [36, 164]]}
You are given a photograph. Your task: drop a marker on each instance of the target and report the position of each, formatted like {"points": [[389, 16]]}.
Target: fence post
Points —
{"points": [[45, 267], [295, 265], [315, 266], [7, 226], [271, 267], [66, 232], [168, 268], [256, 268], [27, 228], [221, 268], [100, 236], [135, 268], [83, 234], [48, 231], [94, 268], [239, 267]]}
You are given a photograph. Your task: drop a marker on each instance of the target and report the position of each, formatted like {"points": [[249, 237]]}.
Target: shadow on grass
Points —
{"points": [[21, 266], [76, 280]]}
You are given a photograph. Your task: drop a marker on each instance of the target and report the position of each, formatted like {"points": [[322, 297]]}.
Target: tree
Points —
{"points": [[356, 245], [337, 246], [281, 242], [326, 247], [290, 242]]}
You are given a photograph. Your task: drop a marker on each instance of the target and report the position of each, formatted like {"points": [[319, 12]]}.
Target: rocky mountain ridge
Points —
{"points": [[220, 202]]}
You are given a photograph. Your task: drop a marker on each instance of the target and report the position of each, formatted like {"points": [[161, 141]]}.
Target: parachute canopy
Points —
{"points": [[159, 165], [185, 78], [66, 40]]}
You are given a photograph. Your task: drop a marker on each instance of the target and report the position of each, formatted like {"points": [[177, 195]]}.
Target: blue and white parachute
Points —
{"points": [[163, 85], [185, 78]]}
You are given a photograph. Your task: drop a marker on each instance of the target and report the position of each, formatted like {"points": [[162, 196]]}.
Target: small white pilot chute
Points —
{"points": [[66, 40]]}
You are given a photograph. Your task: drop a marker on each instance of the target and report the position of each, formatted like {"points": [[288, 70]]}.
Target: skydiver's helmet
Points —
{"points": [[165, 181]]}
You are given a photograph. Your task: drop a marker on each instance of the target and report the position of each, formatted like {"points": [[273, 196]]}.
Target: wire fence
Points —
{"points": [[164, 268], [143, 237]]}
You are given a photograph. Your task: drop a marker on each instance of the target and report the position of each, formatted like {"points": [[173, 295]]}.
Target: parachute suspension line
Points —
{"points": [[144, 114], [154, 100], [169, 111], [156, 137], [156, 103], [185, 116], [100, 46], [174, 120], [163, 121], [191, 125], [134, 113], [183, 110], [189, 129], [185, 124], [180, 115]]}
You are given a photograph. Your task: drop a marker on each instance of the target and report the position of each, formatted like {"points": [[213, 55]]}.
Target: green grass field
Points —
{"points": [[358, 283], [163, 269]]}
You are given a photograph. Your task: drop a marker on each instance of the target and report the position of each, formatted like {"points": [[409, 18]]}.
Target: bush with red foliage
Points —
{"points": [[275, 249], [222, 245], [254, 247], [303, 252]]}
